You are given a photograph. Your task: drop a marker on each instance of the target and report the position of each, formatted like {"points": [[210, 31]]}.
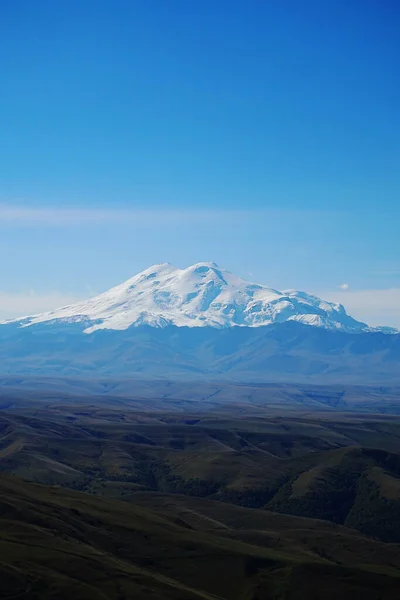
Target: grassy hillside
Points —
{"points": [[56, 543], [357, 487], [319, 465]]}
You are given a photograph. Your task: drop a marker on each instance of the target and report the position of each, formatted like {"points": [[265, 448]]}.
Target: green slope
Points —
{"points": [[56, 543]]}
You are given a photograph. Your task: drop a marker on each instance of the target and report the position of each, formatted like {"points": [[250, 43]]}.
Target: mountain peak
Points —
{"points": [[205, 265], [200, 295]]}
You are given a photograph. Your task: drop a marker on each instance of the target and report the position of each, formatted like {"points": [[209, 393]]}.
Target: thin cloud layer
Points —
{"points": [[36, 216], [375, 307], [14, 305]]}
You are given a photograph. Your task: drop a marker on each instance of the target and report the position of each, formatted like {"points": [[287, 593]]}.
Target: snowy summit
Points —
{"points": [[199, 296]]}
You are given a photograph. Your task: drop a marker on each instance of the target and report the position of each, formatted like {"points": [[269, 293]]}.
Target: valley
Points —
{"points": [[272, 494], [299, 457]]}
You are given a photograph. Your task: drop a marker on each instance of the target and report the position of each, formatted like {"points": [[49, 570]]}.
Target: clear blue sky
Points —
{"points": [[262, 135]]}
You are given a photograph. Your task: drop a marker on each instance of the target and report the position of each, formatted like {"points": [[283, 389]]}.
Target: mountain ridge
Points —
{"points": [[284, 352]]}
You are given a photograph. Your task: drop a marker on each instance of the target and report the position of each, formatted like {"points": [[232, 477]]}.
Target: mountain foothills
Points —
{"points": [[199, 322]]}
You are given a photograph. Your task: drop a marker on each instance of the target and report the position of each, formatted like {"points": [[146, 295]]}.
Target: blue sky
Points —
{"points": [[264, 136]]}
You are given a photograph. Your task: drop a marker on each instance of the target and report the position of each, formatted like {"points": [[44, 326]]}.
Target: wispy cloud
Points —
{"points": [[74, 216], [344, 286], [35, 216], [28, 215], [13, 305], [375, 307]]}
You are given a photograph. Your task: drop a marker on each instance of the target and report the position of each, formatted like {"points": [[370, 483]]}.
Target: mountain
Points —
{"points": [[201, 322], [202, 295]]}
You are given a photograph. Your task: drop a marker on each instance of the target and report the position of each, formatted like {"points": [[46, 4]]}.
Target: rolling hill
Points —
{"points": [[340, 467], [58, 543]]}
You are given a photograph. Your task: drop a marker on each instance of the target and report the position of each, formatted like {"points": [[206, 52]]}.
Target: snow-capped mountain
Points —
{"points": [[200, 323], [199, 296]]}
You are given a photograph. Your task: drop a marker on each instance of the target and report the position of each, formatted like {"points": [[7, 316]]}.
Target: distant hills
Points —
{"points": [[201, 322]]}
